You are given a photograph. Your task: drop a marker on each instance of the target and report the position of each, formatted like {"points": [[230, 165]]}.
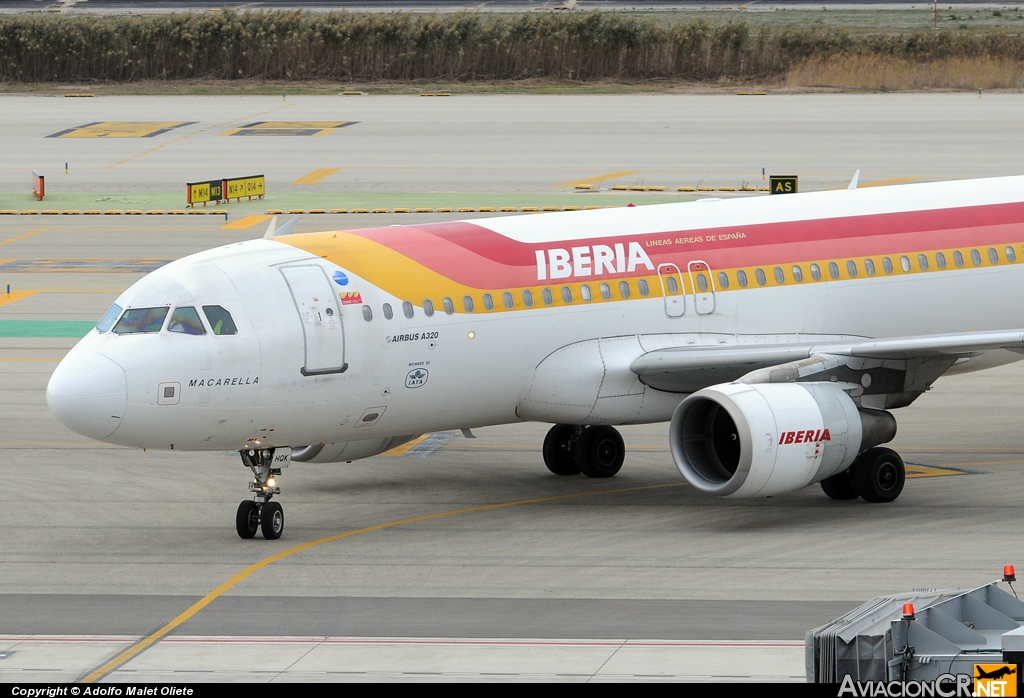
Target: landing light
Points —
{"points": [[271, 482], [472, 334]]}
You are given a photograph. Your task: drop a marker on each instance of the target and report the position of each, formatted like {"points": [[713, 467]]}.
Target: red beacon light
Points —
{"points": [[1008, 574], [908, 612]]}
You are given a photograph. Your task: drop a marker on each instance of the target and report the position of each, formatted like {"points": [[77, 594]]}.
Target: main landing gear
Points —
{"points": [[594, 451], [876, 476], [261, 514]]}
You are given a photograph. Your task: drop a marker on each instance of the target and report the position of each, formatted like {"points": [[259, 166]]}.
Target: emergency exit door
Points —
{"points": [[322, 328], [672, 289], [703, 284]]}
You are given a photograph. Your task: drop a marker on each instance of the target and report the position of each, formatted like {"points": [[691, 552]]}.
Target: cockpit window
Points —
{"points": [[220, 320], [109, 318], [185, 320], [141, 320]]}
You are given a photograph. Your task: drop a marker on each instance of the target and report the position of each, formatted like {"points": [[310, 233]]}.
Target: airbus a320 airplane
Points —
{"points": [[777, 335]]}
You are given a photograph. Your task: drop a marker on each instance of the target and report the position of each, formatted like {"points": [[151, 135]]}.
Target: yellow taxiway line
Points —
{"points": [[599, 178], [21, 237], [406, 447], [13, 296], [317, 175], [246, 222], [887, 182], [154, 637]]}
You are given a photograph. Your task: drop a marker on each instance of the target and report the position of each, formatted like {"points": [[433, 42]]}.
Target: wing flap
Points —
{"points": [[690, 368], [931, 345]]}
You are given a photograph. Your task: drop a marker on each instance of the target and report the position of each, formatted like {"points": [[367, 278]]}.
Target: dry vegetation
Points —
{"points": [[580, 47], [872, 72]]}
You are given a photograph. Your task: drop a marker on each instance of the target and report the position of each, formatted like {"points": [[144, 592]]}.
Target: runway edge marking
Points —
{"points": [[148, 641]]}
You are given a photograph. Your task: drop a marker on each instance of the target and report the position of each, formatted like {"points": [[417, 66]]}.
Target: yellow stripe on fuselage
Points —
{"points": [[408, 279]]}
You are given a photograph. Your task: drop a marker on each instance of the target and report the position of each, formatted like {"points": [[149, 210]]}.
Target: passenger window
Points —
{"points": [[741, 277], [780, 276], [428, 308], [833, 270], [993, 256], [702, 282], [723, 280], [1011, 256], [905, 263], [673, 285], [185, 320], [624, 289], [975, 257], [546, 295], [940, 260], [509, 301], [851, 268], [220, 320], [488, 302], [645, 290], [527, 299], [109, 318], [585, 293], [367, 313], [922, 261], [958, 259], [798, 273], [816, 272], [887, 265], [141, 320], [606, 292], [467, 303], [449, 307], [761, 278], [869, 267], [388, 313], [567, 294], [407, 309]]}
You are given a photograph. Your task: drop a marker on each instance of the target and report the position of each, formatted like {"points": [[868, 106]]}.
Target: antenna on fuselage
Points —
{"points": [[285, 229], [853, 182]]}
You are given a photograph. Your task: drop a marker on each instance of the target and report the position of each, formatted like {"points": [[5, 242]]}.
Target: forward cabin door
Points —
{"points": [[321, 322], [672, 289], [703, 284]]}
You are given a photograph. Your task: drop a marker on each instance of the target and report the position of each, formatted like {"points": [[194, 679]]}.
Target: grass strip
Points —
{"points": [[45, 328]]}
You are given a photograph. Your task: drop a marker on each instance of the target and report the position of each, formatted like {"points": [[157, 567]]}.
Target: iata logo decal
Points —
{"points": [[416, 378], [809, 436], [352, 298]]}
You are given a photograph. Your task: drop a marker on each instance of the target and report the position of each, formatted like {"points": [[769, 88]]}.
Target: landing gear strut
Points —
{"points": [[876, 476], [261, 513], [596, 451]]}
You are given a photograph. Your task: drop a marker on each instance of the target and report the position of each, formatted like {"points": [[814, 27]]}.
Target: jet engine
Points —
{"points": [[759, 440]]}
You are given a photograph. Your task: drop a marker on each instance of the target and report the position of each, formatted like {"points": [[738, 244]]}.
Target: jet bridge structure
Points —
{"points": [[948, 632]]}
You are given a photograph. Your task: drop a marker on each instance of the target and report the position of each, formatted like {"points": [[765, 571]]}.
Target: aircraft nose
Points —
{"points": [[88, 394]]}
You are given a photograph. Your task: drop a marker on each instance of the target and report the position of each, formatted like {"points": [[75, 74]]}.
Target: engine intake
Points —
{"points": [[760, 440]]}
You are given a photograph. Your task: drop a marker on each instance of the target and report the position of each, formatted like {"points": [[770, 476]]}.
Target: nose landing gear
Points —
{"points": [[261, 513]]}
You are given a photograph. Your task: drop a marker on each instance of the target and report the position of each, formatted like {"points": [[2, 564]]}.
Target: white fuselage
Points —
{"points": [[567, 362]]}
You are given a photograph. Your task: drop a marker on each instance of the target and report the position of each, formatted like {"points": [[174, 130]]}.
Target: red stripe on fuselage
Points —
{"points": [[481, 258]]}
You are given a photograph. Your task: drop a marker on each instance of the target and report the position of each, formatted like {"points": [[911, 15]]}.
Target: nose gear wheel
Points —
{"points": [[260, 514]]}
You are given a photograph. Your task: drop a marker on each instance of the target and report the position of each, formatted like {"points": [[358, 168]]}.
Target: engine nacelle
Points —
{"points": [[760, 440]]}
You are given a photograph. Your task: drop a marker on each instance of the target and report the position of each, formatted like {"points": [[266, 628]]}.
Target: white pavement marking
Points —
{"points": [[221, 659]]}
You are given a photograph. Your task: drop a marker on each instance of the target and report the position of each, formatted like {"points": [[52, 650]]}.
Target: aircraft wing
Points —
{"points": [[690, 368]]}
